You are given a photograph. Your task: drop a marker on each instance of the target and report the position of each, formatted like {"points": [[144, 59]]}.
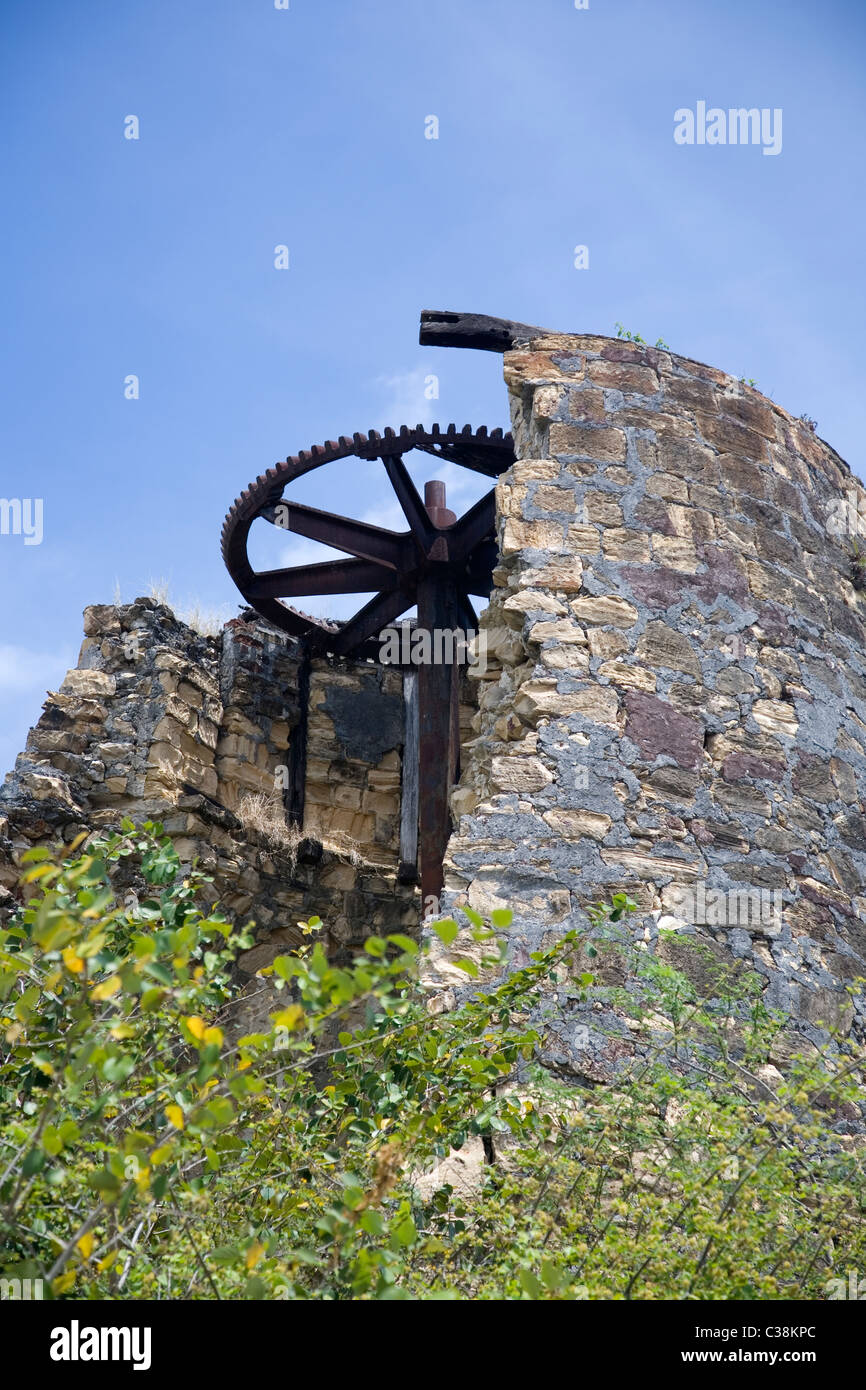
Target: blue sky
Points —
{"points": [[261, 127]]}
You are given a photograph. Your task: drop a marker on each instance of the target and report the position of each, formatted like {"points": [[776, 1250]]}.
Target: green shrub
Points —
{"points": [[150, 1151]]}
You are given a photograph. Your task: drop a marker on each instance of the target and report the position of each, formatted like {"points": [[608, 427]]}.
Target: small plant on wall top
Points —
{"points": [[622, 332]]}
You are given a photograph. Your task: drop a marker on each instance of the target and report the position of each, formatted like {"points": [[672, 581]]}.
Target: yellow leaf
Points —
{"points": [[195, 1026], [43, 1066], [244, 1063], [254, 1254], [39, 872], [290, 1017], [161, 1154], [106, 988], [175, 1115], [74, 963], [213, 1035], [142, 1178], [63, 1283], [79, 839], [107, 1261], [123, 1030], [85, 1244]]}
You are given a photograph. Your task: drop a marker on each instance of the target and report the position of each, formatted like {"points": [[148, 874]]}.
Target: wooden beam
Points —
{"points": [[408, 870], [443, 328], [294, 795], [437, 716]]}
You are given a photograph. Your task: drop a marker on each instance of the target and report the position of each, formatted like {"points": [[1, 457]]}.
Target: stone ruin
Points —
{"points": [[673, 704]]}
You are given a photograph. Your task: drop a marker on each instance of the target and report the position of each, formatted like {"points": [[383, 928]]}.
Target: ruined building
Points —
{"points": [[673, 703]]}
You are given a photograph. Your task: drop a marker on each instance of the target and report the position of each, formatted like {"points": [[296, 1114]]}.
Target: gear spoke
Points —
{"points": [[413, 508], [375, 615], [467, 614], [341, 533], [474, 527], [333, 577]]}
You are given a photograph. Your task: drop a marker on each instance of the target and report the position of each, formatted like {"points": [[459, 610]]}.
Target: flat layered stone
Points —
{"points": [[517, 774], [597, 703], [605, 610], [602, 443], [664, 647], [575, 825], [659, 730]]}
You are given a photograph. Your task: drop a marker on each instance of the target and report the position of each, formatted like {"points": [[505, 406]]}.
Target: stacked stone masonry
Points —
{"points": [[160, 723], [675, 697], [673, 704]]}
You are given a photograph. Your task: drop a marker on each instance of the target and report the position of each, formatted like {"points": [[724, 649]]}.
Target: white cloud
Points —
{"points": [[389, 515], [404, 401], [300, 551]]}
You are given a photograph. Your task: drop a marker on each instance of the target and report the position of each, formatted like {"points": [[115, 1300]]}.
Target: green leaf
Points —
{"points": [[33, 856], [475, 917], [406, 1233], [225, 1255], [52, 1143], [405, 943], [447, 930], [467, 965], [372, 1223], [104, 1181]]}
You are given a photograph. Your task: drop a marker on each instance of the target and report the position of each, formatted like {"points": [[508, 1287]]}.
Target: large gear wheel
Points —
{"points": [[390, 564], [439, 564]]}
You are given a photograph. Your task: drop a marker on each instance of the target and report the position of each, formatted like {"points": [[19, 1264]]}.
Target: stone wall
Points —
{"points": [[158, 722], [673, 704], [675, 700]]}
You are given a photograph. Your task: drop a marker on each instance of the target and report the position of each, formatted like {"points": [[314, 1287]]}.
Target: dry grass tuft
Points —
{"points": [[343, 845], [207, 622], [265, 813]]}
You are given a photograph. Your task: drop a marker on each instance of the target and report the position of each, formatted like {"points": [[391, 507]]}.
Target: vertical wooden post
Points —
{"points": [[294, 795], [408, 870], [437, 609]]}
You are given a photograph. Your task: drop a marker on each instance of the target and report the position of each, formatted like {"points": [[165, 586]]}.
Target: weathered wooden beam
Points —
{"points": [[294, 795], [437, 717], [443, 328], [408, 870]]}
